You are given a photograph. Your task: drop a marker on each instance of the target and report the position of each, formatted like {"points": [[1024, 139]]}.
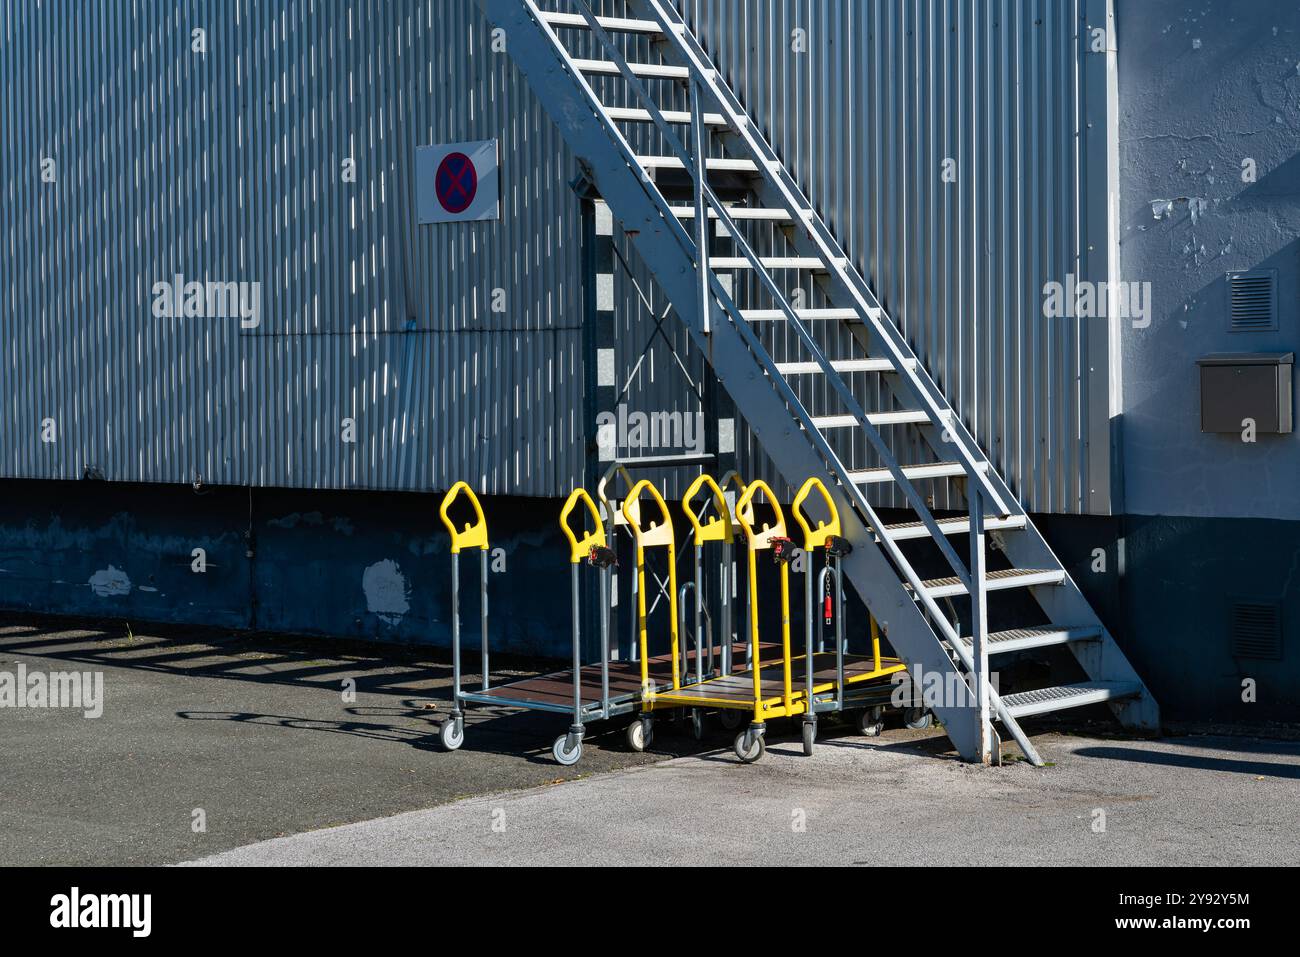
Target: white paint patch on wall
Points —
{"points": [[109, 582], [387, 591]]}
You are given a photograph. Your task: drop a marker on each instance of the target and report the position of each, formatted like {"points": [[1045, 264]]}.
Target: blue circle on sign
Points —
{"points": [[456, 183]]}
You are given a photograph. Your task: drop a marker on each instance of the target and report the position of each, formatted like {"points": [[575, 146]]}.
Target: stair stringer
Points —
{"points": [[636, 204]]}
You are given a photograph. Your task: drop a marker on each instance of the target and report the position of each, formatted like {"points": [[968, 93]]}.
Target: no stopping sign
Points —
{"points": [[458, 182]]}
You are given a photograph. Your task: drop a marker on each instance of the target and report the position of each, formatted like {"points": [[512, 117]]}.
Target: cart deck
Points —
{"points": [[554, 691], [736, 691]]}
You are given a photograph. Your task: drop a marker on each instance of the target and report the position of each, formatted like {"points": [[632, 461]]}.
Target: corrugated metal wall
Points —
{"points": [[886, 91], [228, 165]]}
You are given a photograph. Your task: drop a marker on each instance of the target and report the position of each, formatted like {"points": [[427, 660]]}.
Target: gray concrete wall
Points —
{"points": [[1204, 87]]}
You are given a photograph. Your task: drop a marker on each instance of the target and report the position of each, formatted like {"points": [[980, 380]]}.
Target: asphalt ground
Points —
{"points": [[253, 738], [255, 733], [867, 803]]}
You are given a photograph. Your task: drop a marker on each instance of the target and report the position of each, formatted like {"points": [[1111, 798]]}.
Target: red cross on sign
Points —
{"points": [[456, 183]]}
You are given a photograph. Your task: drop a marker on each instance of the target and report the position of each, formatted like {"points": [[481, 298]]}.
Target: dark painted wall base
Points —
{"points": [[376, 565], [1168, 591], [352, 565]]}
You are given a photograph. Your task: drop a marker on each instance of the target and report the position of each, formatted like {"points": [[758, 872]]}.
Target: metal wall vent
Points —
{"points": [[1252, 300], [1256, 630]]}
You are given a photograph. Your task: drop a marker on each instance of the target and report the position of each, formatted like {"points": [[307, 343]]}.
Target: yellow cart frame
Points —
{"points": [[651, 534], [820, 693], [717, 529], [473, 535]]}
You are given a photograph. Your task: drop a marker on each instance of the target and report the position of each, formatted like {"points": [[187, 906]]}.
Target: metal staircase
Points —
{"points": [[570, 56]]}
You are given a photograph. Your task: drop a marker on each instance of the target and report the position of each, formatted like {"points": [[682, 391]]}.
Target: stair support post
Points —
{"points": [[979, 624], [600, 383], [700, 157]]}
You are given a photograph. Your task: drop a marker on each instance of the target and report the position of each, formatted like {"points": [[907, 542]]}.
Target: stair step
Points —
{"points": [[996, 581], [824, 422], [739, 213], [913, 472], [1023, 639], [770, 262], [1068, 696], [652, 71], [950, 526], [622, 114], [844, 366], [720, 164], [807, 315], [612, 24]]}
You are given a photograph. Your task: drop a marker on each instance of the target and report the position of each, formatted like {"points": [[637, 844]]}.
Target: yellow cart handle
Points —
{"points": [[818, 537], [580, 548], [718, 528], [658, 533], [475, 534], [760, 540], [733, 478], [603, 489]]}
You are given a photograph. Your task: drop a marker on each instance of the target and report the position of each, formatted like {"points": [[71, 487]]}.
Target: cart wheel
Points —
{"points": [[563, 756], [638, 737], [731, 720], [918, 719], [452, 734], [756, 750], [697, 724], [869, 723], [809, 737]]}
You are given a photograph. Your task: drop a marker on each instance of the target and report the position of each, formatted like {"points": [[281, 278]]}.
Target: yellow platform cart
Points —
{"points": [[584, 693], [768, 689], [650, 532]]}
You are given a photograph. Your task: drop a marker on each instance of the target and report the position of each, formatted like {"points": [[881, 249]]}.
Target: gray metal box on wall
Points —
{"points": [[1236, 387]]}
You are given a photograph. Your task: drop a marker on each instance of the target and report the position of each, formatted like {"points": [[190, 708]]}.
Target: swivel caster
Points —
{"points": [[452, 732], [567, 749], [918, 719], [697, 724], [870, 723], [809, 737], [750, 745], [639, 734]]}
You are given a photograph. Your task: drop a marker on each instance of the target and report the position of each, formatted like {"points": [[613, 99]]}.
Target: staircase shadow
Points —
{"points": [[1193, 762]]}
